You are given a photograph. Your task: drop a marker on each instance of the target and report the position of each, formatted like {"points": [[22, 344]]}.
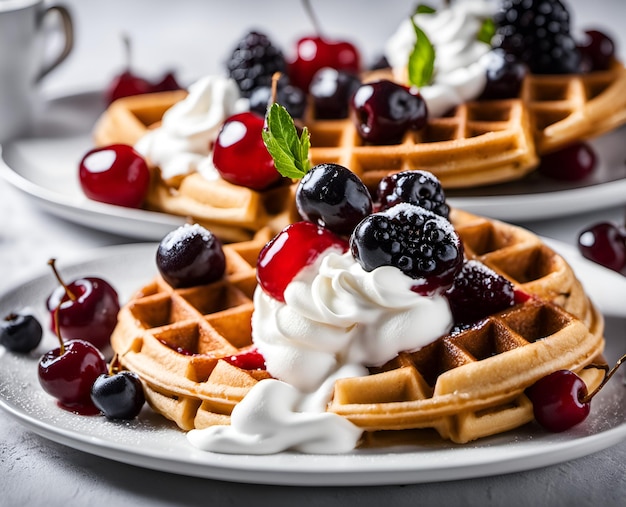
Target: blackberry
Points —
{"points": [[538, 33], [254, 61], [477, 292], [424, 246], [415, 187]]}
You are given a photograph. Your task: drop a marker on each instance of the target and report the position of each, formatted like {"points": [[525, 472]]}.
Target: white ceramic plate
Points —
{"points": [[44, 167], [152, 442]]}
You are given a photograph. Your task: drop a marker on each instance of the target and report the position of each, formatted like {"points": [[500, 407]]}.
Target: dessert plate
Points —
{"points": [[44, 167], [152, 442]]}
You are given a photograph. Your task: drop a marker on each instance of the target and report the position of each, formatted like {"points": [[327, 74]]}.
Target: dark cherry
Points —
{"points": [[331, 91], [115, 174], [505, 74], [295, 247], [334, 197], [250, 359], [86, 308], [605, 244], [68, 372], [384, 111], [190, 255], [20, 332], [118, 395], [572, 163], [417, 187], [240, 156], [166, 84], [293, 99], [597, 50]]}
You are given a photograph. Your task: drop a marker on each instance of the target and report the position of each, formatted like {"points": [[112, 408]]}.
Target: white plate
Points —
{"points": [[44, 167], [154, 443]]}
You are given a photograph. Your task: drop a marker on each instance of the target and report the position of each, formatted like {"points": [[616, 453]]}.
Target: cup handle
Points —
{"points": [[68, 30]]}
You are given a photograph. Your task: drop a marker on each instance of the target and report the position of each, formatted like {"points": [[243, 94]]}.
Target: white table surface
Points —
{"points": [[193, 37]]}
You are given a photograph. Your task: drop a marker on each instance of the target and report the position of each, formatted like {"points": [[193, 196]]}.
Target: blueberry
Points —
{"points": [[20, 332], [118, 396], [331, 91]]}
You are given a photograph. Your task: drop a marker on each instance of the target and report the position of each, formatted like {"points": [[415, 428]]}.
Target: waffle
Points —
{"points": [[465, 386]]}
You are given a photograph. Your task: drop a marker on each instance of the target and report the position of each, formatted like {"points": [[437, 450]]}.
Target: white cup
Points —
{"points": [[24, 60]]}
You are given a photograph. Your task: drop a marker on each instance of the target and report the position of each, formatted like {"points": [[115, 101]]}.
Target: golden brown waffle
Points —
{"points": [[483, 371]]}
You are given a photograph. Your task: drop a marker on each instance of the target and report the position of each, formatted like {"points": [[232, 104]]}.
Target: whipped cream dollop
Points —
{"points": [[337, 319], [460, 58], [182, 144]]}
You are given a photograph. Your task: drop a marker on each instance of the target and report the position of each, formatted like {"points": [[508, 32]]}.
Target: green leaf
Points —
{"points": [[422, 59], [424, 9], [487, 31], [290, 152]]}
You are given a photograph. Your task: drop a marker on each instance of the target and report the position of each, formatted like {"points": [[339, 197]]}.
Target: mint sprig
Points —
{"points": [[290, 152], [487, 31], [422, 59]]}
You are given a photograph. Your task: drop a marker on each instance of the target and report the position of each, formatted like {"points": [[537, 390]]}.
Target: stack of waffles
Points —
{"points": [[466, 385], [479, 143]]}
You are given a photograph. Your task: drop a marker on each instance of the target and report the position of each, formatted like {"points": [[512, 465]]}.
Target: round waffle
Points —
{"points": [[465, 386]]}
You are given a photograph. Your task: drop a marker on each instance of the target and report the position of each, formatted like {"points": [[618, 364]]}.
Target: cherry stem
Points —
{"points": [[57, 330], [69, 293], [607, 377], [311, 14], [127, 49], [114, 364]]}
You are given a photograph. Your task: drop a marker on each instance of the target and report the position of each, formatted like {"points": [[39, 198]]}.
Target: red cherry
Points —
{"points": [[604, 243], [68, 372], [250, 359], [125, 85], [296, 246], [115, 174], [167, 83], [86, 308], [240, 156], [572, 163], [314, 53], [559, 400]]}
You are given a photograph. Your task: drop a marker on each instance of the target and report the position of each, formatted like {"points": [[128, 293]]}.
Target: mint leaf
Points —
{"points": [[487, 31], [290, 152], [422, 59], [424, 9]]}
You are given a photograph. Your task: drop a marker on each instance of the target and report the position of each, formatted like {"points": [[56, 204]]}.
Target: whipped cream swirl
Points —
{"points": [[336, 320], [460, 58], [183, 142]]}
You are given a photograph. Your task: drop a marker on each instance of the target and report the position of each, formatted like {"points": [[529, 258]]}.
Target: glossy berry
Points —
{"points": [[421, 188], [254, 61], [86, 308], [331, 91], [478, 292], [597, 50], [605, 244], [298, 245], [315, 53], [572, 163], [505, 74], [250, 359], [384, 111], [559, 400], [20, 332], [240, 156], [126, 84], [118, 396], [334, 197], [68, 372], [291, 98], [424, 246], [190, 255], [115, 174]]}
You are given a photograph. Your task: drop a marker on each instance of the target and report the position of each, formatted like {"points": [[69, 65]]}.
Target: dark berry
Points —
{"points": [[597, 51], [505, 74], [190, 255], [572, 163], [605, 244], [559, 400], [421, 244], [334, 197], [331, 91], [293, 99], [384, 111], [254, 61], [478, 292], [118, 396], [20, 332], [421, 188]]}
